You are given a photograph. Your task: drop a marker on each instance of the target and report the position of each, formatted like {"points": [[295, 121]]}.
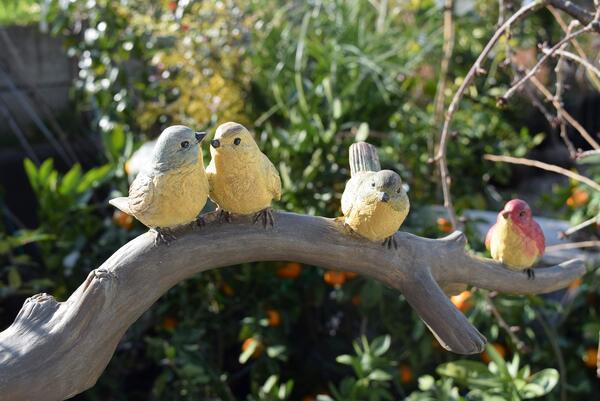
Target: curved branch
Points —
{"points": [[55, 350]]}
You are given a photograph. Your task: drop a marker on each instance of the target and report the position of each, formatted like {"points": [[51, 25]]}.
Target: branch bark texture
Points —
{"points": [[55, 350]]}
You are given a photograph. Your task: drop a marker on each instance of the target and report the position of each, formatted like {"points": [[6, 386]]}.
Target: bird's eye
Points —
{"points": [[373, 184], [237, 141], [399, 190], [522, 213], [185, 144]]}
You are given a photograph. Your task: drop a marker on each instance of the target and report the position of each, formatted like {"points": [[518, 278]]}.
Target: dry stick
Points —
{"points": [[580, 226], [575, 11], [585, 63], [575, 43], [475, 69], [544, 166], [574, 123], [511, 91], [521, 347], [438, 113], [588, 153], [573, 245], [560, 81]]}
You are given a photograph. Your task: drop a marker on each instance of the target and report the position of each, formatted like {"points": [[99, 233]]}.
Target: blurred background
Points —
{"points": [[84, 84]]}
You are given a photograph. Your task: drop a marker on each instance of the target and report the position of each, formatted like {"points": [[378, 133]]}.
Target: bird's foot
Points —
{"points": [[199, 222], [530, 274], [266, 215], [163, 236], [223, 215], [390, 242]]}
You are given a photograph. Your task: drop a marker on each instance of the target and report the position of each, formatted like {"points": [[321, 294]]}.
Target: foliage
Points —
{"points": [[309, 78]]}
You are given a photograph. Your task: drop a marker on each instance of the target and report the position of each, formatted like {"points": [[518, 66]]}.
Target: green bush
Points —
{"points": [[309, 78]]}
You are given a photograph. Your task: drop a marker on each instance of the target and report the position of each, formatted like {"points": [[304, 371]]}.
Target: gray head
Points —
{"points": [[176, 147], [387, 184]]}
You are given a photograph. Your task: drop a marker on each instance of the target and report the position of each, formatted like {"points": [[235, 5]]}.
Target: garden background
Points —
{"points": [[309, 79]]}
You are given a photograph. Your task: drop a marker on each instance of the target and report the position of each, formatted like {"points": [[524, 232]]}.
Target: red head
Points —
{"points": [[518, 210]]}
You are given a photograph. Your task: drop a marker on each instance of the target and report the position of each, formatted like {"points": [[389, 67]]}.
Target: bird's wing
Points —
{"points": [[122, 204], [141, 193], [540, 240], [349, 197], [363, 157], [273, 179], [488, 237]]}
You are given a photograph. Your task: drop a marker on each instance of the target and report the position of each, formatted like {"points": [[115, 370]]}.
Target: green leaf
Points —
{"points": [[363, 132], [70, 180], [248, 352], [94, 177], [470, 373], [14, 278], [381, 345], [540, 383], [344, 359], [44, 171], [32, 174], [379, 375]]}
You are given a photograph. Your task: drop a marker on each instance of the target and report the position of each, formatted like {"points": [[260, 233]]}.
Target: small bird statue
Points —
{"points": [[242, 179], [374, 202], [173, 188], [516, 239]]}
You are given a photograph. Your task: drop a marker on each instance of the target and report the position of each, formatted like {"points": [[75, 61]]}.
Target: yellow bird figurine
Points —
{"points": [[242, 179], [173, 189], [374, 202]]}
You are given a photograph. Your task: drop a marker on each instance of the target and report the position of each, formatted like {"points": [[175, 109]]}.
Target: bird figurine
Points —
{"points": [[242, 179], [172, 190], [516, 239], [374, 202]]}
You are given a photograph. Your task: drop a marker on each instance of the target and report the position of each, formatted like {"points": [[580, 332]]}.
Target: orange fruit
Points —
{"points": [[406, 374], [289, 270], [461, 301], [227, 290], [578, 198], [308, 398], [274, 317], [591, 357], [169, 323], [122, 219], [444, 225], [334, 278], [499, 349], [575, 284], [350, 275], [172, 5], [259, 347]]}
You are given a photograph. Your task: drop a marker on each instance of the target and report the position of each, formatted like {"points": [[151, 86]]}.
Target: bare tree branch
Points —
{"points": [[582, 15], [55, 350], [473, 72]]}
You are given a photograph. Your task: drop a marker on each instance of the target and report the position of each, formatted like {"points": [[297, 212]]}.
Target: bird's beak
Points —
{"points": [[215, 143], [199, 136], [505, 214], [383, 197]]}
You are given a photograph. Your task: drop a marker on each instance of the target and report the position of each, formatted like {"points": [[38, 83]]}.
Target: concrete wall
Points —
{"points": [[41, 72]]}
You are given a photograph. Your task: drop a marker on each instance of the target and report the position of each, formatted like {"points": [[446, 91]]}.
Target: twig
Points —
{"points": [[580, 226], [575, 43], [475, 70], [588, 66], [575, 11], [551, 334], [521, 347], [511, 91], [588, 153], [560, 85], [574, 123], [544, 166], [573, 245], [448, 47]]}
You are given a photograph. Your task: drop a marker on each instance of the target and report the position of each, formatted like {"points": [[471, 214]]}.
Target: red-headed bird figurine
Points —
{"points": [[516, 239]]}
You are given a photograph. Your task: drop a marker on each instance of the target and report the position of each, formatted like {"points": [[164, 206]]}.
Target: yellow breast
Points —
{"points": [[509, 246], [376, 221], [179, 197], [239, 185]]}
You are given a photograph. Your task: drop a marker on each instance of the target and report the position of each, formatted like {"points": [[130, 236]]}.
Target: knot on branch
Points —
{"points": [[37, 308]]}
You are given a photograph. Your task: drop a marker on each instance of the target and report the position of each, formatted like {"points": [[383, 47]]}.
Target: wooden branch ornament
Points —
{"points": [[55, 350]]}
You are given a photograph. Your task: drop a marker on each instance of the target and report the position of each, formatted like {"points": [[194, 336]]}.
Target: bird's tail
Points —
{"points": [[122, 204], [363, 157]]}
